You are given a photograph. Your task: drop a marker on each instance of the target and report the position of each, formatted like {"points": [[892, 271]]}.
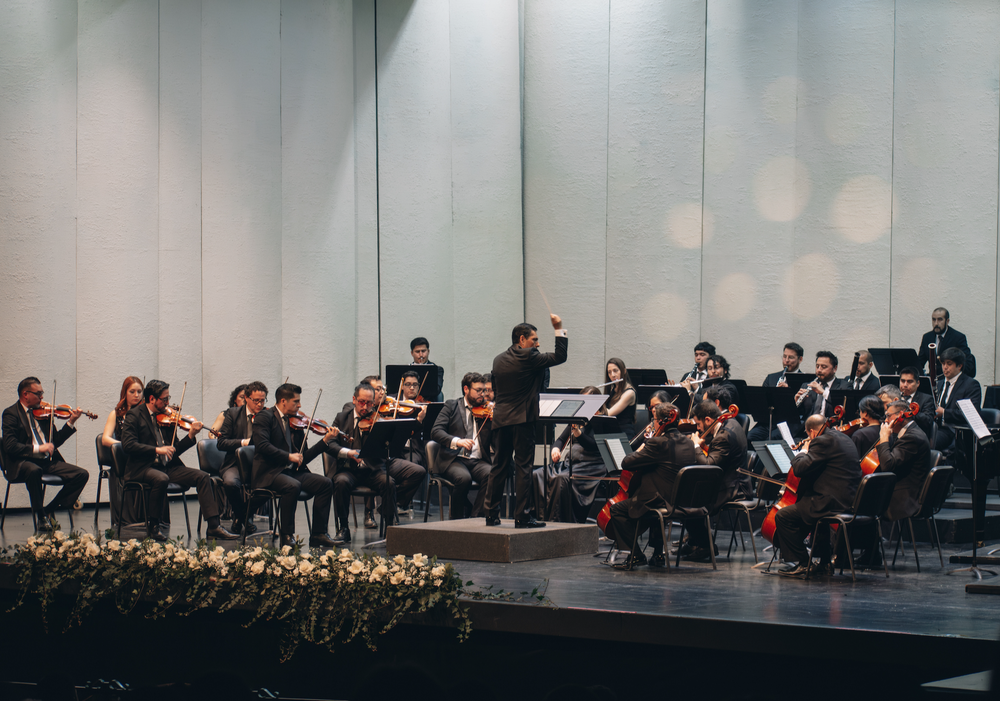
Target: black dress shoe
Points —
{"points": [[658, 560], [492, 521], [699, 554], [220, 533], [322, 540], [631, 562], [343, 536], [370, 520], [797, 571], [155, 534], [288, 540], [685, 548], [43, 524], [238, 527], [532, 523]]}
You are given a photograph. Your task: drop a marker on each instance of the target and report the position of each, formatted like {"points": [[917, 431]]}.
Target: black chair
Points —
{"points": [[991, 417], [746, 507], [210, 460], [935, 457], [118, 460], [244, 459], [871, 501], [433, 450], [105, 465], [695, 490], [744, 422], [47, 480], [330, 468], [932, 496]]}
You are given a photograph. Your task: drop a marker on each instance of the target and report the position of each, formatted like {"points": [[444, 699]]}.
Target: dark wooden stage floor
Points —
{"points": [[886, 636]]}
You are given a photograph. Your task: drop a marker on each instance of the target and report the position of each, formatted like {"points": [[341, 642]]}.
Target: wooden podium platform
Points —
{"points": [[472, 539]]}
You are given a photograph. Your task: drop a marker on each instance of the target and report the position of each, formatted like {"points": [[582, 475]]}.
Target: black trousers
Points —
{"points": [[233, 485], [30, 473], [345, 481], [518, 440], [791, 527], [287, 486], [408, 477], [178, 473], [462, 472], [625, 530]]}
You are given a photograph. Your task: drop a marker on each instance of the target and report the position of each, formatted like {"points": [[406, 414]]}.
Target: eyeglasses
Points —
{"points": [[163, 399], [363, 402], [37, 394], [411, 384], [256, 401]]}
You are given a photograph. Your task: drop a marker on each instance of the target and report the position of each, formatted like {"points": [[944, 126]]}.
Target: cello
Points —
{"points": [[869, 463], [604, 517]]}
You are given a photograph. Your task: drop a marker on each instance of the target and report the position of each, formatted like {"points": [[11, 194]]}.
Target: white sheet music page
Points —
{"points": [[974, 419], [616, 450], [547, 406], [786, 435]]}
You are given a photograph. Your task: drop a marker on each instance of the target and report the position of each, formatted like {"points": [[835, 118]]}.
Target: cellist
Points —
{"points": [[830, 472]]}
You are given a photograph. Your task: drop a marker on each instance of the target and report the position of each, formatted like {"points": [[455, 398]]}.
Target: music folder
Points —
{"points": [[889, 361], [776, 457], [568, 409], [387, 437], [428, 387], [613, 448]]}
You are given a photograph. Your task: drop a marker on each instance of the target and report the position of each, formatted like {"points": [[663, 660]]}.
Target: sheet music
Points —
{"points": [[617, 451], [974, 419], [780, 457], [547, 406], [786, 435]]}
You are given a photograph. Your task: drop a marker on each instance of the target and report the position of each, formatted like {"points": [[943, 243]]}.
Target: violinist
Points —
{"points": [[621, 396], [237, 432], [657, 462], [569, 500], [814, 397], [420, 349], [409, 473], [237, 398], [658, 397], [154, 458], [872, 413], [415, 452], [830, 471], [354, 424], [488, 387], [909, 386], [465, 446], [130, 397], [724, 444], [375, 381], [278, 465], [28, 453]]}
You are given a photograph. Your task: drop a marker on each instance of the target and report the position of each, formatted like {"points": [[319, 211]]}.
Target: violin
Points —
{"points": [[401, 407], [63, 411], [870, 462], [172, 417], [366, 423], [687, 426], [731, 413], [484, 412], [301, 421]]}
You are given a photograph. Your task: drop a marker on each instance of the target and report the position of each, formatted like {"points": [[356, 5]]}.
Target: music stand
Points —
{"points": [[776, 457], [753, 401], [679, 397], [644, 392], [983, 438], [565, 409], [853, 397], [781, 402], [646, 376], [796, 380], [387, 437], [428, 385], [889, 361]]}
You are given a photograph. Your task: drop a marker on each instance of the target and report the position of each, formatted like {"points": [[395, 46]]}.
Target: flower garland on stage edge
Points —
{"points": [[323, 599]]}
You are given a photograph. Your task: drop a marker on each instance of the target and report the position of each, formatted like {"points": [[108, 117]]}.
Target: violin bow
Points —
{"points": [[399, 393], [305, 434], [52, 411], [177, 417]]}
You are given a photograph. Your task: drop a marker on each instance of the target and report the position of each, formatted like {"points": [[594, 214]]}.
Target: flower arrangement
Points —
{"points": [[327, 598]]}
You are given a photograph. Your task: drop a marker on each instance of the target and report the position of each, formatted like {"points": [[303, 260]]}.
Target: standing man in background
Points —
{"points": [[945, 337], [420, 349]]}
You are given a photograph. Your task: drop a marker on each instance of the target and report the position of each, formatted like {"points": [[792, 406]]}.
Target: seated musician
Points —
{"points": [[872, 413], [376, 384], [420, 349], [28, 453], [488, 387], [814, 397], [237, 432], [465, 447], [791, 361], [154, 458], [130, 396], [415, 452], [621, 400], [953, 386], [830, 473], [909, 387], [865, 378], [656, 464], [702, 351], [888, 394], [723, 444], [409, 471], [569, 500], [237, 397], [718, 369]]}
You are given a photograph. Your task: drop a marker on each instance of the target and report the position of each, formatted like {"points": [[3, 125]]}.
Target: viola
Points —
{"points": [[870, 463], [172, 417], [63, 411], [850, 427]]}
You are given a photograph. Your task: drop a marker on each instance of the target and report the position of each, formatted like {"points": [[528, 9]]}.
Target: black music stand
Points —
{"points": [[387, 437], [646, 376], [776, 457], [781, 403], [753, 401], [983, 438], [796, 380], [428, 385], [679, 397], [644, 392], [853, 397], [889, 361]]}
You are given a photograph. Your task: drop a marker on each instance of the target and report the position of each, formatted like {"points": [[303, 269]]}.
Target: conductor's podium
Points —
{"points": [[472, 539]]}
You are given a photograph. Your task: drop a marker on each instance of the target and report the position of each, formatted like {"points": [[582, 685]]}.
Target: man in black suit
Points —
{"points": [[791, 359], [154, 458], [727, 448], [865, 379], [280, 467], [945, 337], [465, 446], [954, 385], [909, 458], [420, 349], [814, 397], [909, 384], [656, 465], [237, 432], [352, 470], [28, 454], [518, 374], [830, 472], [702, 352]]}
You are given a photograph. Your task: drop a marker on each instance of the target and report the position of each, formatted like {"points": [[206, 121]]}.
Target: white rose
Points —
{"points": [[399, 560], [345, 555], [378, 573], [305, 567], [397, 577], [256, 552], [324, 573], [419, 560], [114, 545], [356, 567], [59, 535], [257, 567], [92, 549], [438, 571], [285, 549]]}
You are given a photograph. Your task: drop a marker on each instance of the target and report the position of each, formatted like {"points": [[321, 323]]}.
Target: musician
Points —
{"points": [[488, 387], [909, 458], [130, 396], [658, 397], [872, 413], [791, 359], [518, 374], [351, 471], [865, 378], [420, 350], [278, 465], [656, 464], [723, 444], [814, 397], [945, 337], [376, 384], [717, 368], [888, 394], [953, 386], [237, 432], [621, 396], [236, 398], [154, 458], [702, 351], [569, 500], [28, 454], [414, 446], [830, 473], [909, 384], [465, 443]]}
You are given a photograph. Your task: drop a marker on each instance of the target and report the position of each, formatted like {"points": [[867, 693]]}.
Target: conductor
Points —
{"points": [[518, 374]]}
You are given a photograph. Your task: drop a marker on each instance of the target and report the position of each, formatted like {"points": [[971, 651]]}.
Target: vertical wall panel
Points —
{"points": [[655, 135], [241, 196], [414, 171], [566, 177], [117, 202], [317, 165], [488, 280], [944, 237]]}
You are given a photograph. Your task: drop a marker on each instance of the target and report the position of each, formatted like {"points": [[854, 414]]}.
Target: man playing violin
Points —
{"points": [[830, 471], [154, 458], [28, 454], [464, 457], [237, 432]]}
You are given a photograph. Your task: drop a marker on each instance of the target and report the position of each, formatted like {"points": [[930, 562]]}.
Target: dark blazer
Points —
{"points": [[925, 417], [830, 474], [910, 460], [17, 445], [432, 392], [450, 424], [518, 374], [865, 439], [656, 465], [772, 379], [139, 442], [728, 450], [812, 403], [231, 435], [871, 384], [965, 388], [951, 339], [271, 449], [345, 424]]}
